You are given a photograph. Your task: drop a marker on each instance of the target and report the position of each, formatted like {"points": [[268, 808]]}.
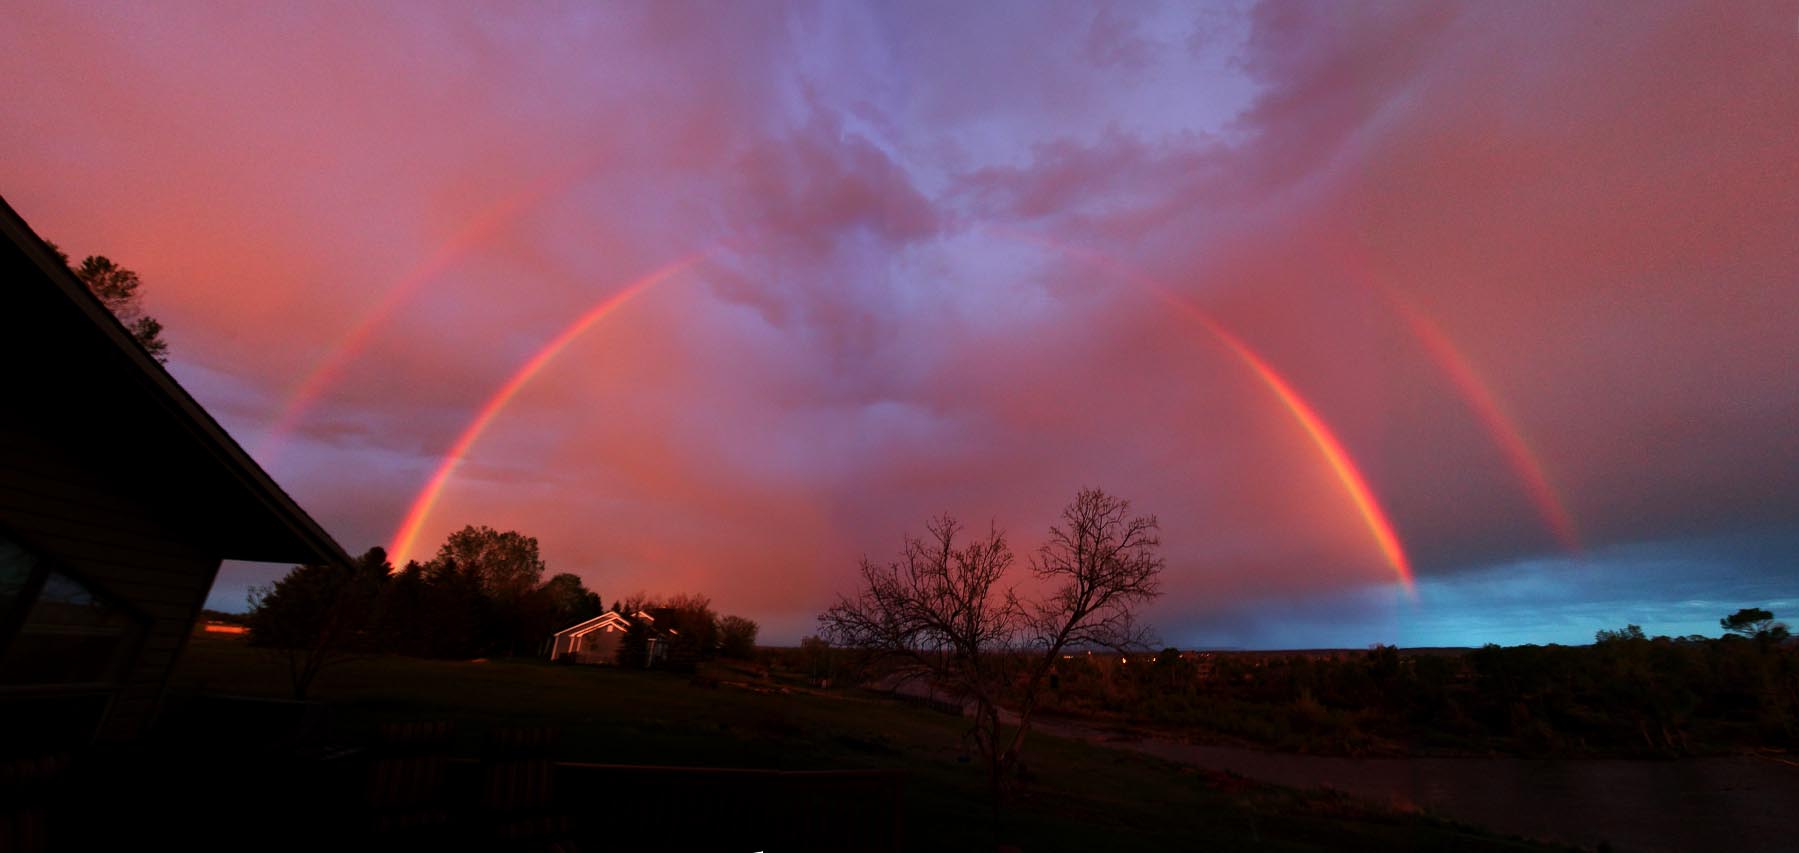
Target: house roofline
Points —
{"points": [[218, 444], [591, 623]]}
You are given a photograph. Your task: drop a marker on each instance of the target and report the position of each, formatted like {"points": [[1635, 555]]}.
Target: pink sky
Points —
{"points": [[1595, 204]]}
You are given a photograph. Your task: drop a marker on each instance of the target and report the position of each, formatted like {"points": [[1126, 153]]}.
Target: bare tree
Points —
{"points": [[1100, 564], [635, 603], [941, 613]]}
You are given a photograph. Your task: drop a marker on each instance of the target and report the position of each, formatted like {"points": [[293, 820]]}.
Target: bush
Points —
{"points": [[737, 637]]}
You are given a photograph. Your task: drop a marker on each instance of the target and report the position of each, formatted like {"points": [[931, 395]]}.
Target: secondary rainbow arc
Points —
{"points": [[330, 369], [1367, 504], [407, 534], [1499, 425]]}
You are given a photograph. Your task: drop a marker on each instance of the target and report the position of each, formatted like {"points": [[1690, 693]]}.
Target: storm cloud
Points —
{"points": [[937, 239]]}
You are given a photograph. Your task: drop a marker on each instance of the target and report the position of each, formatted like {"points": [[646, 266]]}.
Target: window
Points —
{"points": [[16, 569], [56, 628]]}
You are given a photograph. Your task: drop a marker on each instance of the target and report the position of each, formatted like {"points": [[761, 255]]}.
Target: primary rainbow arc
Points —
{"points": [[407, 534]]}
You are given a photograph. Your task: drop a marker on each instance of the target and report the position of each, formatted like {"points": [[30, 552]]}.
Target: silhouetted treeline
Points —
{"points": [[442, 610], [684, 623], [208, 614], [1626, 695], [482, 595], [821, 663]]}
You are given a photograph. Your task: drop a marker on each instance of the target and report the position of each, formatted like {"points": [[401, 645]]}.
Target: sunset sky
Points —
{"points": [[721, 297]]}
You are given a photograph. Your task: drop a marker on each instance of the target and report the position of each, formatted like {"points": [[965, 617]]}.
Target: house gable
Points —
{"points": [[603, 622], [115, 487]]}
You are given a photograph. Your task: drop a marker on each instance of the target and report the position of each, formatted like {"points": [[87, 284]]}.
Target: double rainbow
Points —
{"points": [[1318, 432]]}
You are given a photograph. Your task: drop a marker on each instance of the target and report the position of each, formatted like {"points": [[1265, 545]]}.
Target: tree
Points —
{"points": [[1747, 622], [569, 599], [692, 629], [507, 563], [737, 637], [457, 613], [940, 614], [1756, 624], [117, 288], [1101, 563], [505, 612], [320, 615], [633, 603], [634, 647], [685, 623], [1628, 632], [533, 618]]}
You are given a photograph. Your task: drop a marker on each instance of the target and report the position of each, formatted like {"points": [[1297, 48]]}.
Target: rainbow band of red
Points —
{"points": [[1341, 463], [326, 373], [1492, 415], [1326, 441], [1476, 393], [408, 532]]}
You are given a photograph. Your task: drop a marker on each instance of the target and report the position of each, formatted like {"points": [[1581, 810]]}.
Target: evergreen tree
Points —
{"points": [[118, 289]]}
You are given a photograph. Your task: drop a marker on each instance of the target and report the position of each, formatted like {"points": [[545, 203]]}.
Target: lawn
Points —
{"points": [[1078, 796]]}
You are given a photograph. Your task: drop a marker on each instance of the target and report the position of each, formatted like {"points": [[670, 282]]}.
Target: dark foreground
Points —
{"points": [[530, 756], [1740, 802], [406, 792]]}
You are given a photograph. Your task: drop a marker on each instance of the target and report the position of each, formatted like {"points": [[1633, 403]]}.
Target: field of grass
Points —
{"points": [[1079, 795]]}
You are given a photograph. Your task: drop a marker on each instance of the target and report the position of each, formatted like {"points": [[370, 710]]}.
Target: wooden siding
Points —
{"points": [[56, 505]]}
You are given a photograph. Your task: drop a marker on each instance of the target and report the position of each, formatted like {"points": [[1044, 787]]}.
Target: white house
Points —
{"points": [[597, 640], [593, 641]]}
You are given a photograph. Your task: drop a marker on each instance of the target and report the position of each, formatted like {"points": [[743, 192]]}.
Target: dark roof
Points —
{"points": [[75, 374]]}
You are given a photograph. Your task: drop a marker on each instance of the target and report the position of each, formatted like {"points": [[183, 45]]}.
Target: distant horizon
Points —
{"points": [[1483, 302], [1693, 616]]}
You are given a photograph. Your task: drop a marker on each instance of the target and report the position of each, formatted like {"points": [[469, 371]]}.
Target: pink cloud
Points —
{"points": [[1592, 204]]}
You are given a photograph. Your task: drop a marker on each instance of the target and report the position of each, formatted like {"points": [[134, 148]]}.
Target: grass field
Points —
{"points": [[1079, 796]]}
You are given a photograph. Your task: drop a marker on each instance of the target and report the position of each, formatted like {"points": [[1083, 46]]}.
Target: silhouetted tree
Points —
{"points": [[633, 603], [319, 615], [1755, 623], [939, 612], [570, 600], [634, 646], [507, 563], [405, 627], [737, 637], [455, 620], [117, 288], [1628, 632], [691, 627], [562, 601]]}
